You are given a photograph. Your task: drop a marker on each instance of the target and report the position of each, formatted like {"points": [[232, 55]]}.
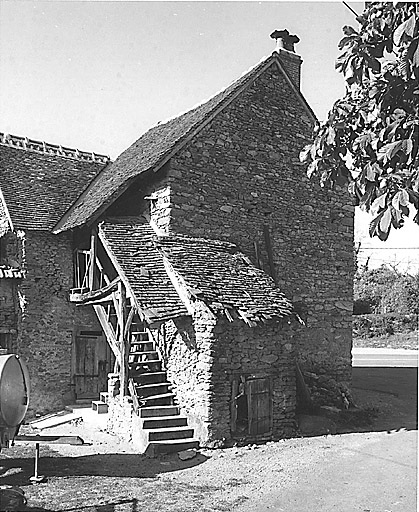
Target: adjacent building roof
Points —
{"points": [[39, 181], [131, 243], [155, 147], [213, 271]]}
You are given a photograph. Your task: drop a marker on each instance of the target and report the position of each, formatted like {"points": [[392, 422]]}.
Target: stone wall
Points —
{"points": [[47, 321], [204, 355], [186, 347], [264, 351], [240, 180]]}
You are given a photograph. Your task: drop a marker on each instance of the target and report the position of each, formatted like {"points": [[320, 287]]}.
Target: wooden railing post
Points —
{"points": [[93, 244], [122, 303]]}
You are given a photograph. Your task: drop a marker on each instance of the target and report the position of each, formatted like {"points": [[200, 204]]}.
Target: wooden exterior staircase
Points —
{"points": [[137, 359], [153, 401]]}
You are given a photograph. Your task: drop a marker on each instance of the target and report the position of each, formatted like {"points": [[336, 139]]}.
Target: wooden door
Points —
{"points": [[93, 361], [259, 404]]}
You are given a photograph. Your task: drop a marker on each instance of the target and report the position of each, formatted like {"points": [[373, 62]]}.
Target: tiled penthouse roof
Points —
{"points": [[8, 272], [131, 242], [214, 272], [224, 278], [151, 150], [39, 187]]}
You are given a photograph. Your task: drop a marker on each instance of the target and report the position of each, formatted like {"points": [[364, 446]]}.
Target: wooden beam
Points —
{"points": [[269, 251], [92, 296], [108, 330], [129, 322], [73, 440], [93, 246]]}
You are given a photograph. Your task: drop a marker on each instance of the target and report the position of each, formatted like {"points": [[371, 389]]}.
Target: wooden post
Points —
{"points": [[93, 243], [122, 303], [269, 251]]}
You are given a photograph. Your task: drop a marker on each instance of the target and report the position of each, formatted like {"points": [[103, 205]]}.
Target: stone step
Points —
{"points": [[104, 396], [99, 406], [158, 411], [170, 446], [163, 399], [170, 433], [148, 377], [152, 389], [164, 422]]}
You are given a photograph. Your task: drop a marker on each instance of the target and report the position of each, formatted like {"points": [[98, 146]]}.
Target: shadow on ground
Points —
{"points": [[386, 400], [132, 504], [16, 469]]}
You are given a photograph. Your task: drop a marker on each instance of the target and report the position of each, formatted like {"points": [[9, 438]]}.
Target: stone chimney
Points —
{"points": [[285, 49]]}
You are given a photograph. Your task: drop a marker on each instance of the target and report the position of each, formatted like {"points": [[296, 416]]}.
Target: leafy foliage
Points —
{"points": [[384, 290], [369, 141]]}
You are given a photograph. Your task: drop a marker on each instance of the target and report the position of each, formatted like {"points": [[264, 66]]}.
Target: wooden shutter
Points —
{"points": [[259, 396]]}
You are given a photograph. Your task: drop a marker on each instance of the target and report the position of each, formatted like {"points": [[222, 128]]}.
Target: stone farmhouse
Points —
{"points": [[188, 282]]}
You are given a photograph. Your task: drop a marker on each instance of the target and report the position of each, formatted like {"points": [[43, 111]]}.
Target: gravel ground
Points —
{"points": [[108, 476]]}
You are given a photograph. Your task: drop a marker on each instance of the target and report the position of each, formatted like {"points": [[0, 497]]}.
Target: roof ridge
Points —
{"points": [[203, 102], [46, 148]]}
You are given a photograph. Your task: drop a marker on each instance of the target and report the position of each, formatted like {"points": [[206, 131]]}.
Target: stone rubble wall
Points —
{"points": [[266, 350], [47, 321], [242, 172], [186, 346], [203, 356]]}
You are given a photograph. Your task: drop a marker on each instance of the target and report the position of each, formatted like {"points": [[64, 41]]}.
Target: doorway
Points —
{"points": [[93, 360], [252, 407]]}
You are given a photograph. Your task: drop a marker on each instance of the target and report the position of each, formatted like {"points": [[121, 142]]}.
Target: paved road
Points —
{"points": [[384, 357], [360, 472]]}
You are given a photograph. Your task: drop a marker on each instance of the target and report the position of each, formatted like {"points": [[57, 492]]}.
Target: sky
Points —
{"points": [[96, 75]]}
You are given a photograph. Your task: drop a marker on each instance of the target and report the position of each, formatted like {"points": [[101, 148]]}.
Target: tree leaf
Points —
{"points": [[384, 225], [349, 31], [305, 152], [407, 27]]}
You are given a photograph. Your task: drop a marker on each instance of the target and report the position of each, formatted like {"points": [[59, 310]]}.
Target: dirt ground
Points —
{"points": [[108, 476]]}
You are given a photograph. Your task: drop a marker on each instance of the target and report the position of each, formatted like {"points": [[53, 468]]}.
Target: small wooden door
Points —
{"points": [[252, 407], [259, 404], [93, 361]]}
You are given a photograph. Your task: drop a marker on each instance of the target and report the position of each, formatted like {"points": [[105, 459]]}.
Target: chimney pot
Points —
{"points": [[285, 40], [289, 59]]}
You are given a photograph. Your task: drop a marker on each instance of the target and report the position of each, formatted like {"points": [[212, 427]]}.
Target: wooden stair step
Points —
{"points": [[148, 390], [162, 399], [170, 446], [169, 433], [152, 354], [164, 422], [148, 377], [158, 411], [154, 365]]}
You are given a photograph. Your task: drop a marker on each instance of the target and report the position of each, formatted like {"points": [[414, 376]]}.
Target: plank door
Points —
{"points": [[92, 365], [259, 402]]}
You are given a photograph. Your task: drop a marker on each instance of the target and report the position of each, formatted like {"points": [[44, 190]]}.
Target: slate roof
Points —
{"points": [[215, 272], [132, 244], [224, 278], [39, 187], [151, 149]]}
